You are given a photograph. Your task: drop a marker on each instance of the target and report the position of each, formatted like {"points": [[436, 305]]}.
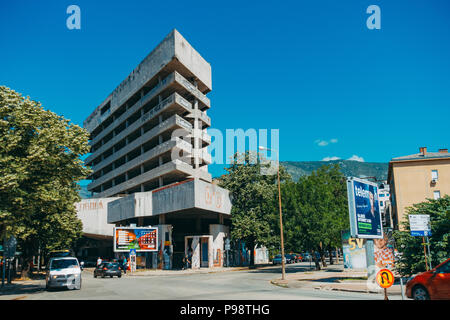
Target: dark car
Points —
{"points": [[290, 258], [108, 269]]}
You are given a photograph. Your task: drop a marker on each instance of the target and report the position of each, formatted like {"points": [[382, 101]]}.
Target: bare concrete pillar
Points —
{"points": [[161, 181], [142, 187], [195, 252], [162, 219], [140, 222]]}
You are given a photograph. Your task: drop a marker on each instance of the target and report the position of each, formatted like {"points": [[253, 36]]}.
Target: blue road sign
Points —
{"points": [[132, 252], [421, 233]]}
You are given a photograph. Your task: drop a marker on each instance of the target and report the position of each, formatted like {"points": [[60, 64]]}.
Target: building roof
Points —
{"points": [[420, 156]]}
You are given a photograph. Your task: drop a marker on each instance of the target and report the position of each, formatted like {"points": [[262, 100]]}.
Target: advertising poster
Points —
{"points": [[364, 209], [384, 251], [354, 252], [140, 239]]}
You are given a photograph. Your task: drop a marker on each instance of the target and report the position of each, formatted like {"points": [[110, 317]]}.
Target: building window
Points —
{"points": [[434, 175], [437, 195]]}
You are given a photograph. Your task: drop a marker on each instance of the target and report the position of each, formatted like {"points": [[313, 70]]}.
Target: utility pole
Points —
{"points": [[283, 267]]}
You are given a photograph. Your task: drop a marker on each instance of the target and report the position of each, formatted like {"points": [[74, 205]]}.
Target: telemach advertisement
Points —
{"points": [[143, 239], [364, 209]]}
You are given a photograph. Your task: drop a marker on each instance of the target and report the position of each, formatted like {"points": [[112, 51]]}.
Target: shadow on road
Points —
{"points": [[20, 288]]}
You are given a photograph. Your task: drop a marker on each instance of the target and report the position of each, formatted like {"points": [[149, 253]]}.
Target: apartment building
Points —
{"points": [[417, 177], [149, 151]]}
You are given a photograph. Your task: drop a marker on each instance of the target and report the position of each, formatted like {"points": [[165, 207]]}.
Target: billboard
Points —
{"points": [[142, 239], [364, 209]]}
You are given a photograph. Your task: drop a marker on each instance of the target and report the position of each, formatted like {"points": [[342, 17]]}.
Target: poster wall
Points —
{"points": [[354, 251], [141, 239]]}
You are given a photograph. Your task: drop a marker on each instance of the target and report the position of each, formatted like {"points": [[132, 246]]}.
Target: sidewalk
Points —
{"points": [[333, 277]]}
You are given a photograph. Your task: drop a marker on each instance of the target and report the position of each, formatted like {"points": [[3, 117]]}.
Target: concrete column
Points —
{"points": [[160, 118], [142, 168], [140, 222], [162, 219], [195, 253], [161, 181], [142, 187], [159, 98]]}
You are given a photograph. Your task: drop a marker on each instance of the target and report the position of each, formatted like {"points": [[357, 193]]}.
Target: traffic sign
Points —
{"points": [[419, 225], [385, 278], [132, 252]]}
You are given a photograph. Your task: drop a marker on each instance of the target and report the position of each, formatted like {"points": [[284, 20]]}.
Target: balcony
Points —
{"points": [[176, 143], [174, 122], [174, 102]]}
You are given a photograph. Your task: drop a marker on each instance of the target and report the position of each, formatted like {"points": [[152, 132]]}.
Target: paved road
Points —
{"points": [[235, 285]]}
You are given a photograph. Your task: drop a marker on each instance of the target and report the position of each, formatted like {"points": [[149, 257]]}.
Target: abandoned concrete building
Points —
{"points": [[138, 133]]}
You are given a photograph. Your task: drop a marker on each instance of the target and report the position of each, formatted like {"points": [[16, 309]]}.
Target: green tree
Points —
{"points": [[315, 210], [254, 215], [412, 259], [40, 165]]}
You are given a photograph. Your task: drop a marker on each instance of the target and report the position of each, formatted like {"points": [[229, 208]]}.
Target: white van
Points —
{"points": [[63, 272]]}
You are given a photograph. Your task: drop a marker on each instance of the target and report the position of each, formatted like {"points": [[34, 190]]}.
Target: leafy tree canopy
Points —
{"points": [[39, 168], [412, 259]]}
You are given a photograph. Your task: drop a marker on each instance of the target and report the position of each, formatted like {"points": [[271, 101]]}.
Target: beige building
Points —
{"points": [[417, 177]]}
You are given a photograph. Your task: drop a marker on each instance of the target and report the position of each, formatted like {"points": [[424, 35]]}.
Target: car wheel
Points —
{"points": [[95, 276], [103, 275], [110, 276], [119, 276], [420, 293]]}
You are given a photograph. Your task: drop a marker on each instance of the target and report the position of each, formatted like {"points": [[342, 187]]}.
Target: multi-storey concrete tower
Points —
{"points": [[132, 130], [150, 160]]}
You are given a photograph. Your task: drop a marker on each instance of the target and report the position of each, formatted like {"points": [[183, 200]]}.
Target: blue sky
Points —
{"points": [[311, 69]]}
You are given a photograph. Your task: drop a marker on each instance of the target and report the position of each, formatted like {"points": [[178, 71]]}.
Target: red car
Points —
{"points": [[433, 284]]}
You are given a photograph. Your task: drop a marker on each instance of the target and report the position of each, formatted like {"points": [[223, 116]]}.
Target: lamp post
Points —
{"points": [[283, 272]]}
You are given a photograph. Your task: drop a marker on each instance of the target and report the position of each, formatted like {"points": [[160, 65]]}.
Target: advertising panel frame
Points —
{"points": [[155, 229], [354, 230]]}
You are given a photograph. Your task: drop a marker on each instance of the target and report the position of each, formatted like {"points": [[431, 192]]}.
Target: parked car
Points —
{"points": [[306, 256], [289, 258], [433, 284], [108, 269], [63, 272], [277, 259]]}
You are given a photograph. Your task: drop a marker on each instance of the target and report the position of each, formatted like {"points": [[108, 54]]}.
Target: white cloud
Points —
{"points": [[330, 158], [356, 158], [323, 143]]}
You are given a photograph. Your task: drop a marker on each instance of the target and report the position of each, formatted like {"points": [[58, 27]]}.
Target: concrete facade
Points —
{"points": [[150, 160], [132, 131]]}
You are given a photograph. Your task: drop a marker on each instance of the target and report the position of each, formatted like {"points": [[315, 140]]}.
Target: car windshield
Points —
{"points": [[63, 264]]}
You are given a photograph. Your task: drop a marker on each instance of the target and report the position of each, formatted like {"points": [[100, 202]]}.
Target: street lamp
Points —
{"points": [[283, 272]]}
